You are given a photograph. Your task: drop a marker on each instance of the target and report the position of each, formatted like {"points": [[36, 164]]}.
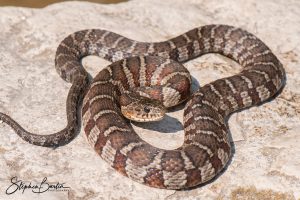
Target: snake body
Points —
{"points": [[206, 148]]}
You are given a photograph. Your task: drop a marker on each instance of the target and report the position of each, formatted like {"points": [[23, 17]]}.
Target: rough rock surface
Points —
{"points": [[266, 162]]}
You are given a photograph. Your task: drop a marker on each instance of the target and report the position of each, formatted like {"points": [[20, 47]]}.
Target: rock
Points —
{"points": [[266, 162]]}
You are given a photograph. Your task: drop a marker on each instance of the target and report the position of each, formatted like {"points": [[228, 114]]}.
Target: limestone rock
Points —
{"points": [[266, 162]]}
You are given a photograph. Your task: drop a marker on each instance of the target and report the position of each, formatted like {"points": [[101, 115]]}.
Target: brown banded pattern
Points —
{"points": [[152, 69]]}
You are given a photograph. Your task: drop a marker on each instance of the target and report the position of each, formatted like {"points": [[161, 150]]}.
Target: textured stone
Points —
{"points": [[266, 162]]}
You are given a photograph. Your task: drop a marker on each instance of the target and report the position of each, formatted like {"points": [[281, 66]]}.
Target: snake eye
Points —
{"points": [[146, 109]]}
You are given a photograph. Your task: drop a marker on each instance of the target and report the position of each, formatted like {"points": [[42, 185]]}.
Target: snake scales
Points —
{"points": [[206, 148]]}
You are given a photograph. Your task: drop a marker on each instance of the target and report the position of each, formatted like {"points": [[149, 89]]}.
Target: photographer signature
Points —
{"points": [[43, 186]]}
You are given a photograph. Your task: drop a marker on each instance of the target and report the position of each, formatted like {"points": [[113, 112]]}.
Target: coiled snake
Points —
{"points": [[137, 66]]}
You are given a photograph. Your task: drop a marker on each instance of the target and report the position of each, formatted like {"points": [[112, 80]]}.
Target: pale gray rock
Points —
{"points": [[266, 162]]}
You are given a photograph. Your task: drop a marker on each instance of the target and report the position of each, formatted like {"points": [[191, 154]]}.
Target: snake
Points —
{"points": [[142, 82]]}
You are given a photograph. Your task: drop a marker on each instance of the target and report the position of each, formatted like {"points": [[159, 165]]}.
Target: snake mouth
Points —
{"points": [[142, 118]]}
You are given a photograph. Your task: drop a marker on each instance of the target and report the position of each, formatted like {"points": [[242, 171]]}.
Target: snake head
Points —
{"points": [[141, 109]]}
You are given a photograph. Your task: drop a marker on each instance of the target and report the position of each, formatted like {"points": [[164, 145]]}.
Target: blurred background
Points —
{"points": [[40, 3]]}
